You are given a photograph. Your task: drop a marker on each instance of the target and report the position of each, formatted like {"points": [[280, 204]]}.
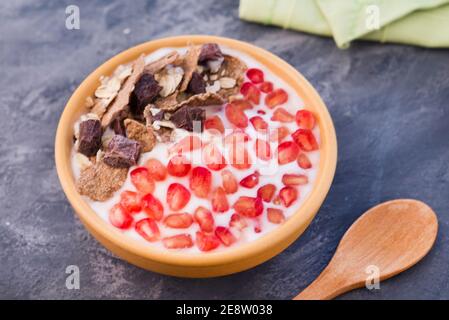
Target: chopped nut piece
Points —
{"points": [[227, 83], [189, 64], [89, 137], [82, 161], [155, 66], [170, 80], [89, 103], [214, 88], [122, 152], [189, 118], [142, 134], [202, 100]]}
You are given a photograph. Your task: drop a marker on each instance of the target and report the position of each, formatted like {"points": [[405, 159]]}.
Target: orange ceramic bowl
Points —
{"points": [[211, 264]]}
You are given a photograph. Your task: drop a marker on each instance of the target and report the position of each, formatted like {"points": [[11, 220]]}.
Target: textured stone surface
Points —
{"points": [[390, 105]]}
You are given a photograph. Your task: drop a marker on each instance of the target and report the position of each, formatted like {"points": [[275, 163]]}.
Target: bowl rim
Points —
{"points": [[300, 220]]}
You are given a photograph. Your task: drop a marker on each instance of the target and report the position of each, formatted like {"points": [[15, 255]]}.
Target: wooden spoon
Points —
{"points": [[392, 236]]}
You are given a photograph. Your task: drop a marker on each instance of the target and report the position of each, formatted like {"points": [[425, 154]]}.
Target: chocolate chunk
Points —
{"points": [[197, 84], [89, 140], [118, 127], [122, 152], [210, 51], [189, 118], [147, 88]]}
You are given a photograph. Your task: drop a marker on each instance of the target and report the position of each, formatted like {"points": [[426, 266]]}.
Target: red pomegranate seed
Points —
{"points": [[230, 184], [266, 192], [179, 241], [263, 149], [200, 182], [214, 124], [288, 195], [152, 207], [219, 200], [279, 134], [178, 220], [248, 206], [257, 226], [305, 139], [294, 179], [275, 98], [140, 178], [186, 144], [178, 166], [213, 158], [305, 119], [253, 94], [242, 104], [236, 116], [275, 215], [119, 217], [206, 242], [250, 181], [261, 112], [238, 222], [237, 138], [225, 236], [287, 152], [148, 229], [240, 159], [204, 219], [303, 161], [266, 87], [282, 115], [255, 75], [177, 196], [259, 123], [156, 169], [130, 201], [245, 87]]}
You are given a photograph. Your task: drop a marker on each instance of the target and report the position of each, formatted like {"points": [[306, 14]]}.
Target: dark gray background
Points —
{"points": [[389, 104]]}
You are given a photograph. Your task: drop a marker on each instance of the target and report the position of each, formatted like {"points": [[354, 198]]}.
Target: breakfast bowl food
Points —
{"points": [[195, 156]]}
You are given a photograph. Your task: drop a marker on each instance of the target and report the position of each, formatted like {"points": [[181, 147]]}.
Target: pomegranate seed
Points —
{"points": [[152, 207], [266, 87], [230, 184], [279, 134], [219, 200], [287, 152], [263, 149], [259, 123], [214, 124], [148, 229], [178, 166], [204, 219], [236, 116], [303, 161], [130, 201], [266, 192], [255, 75], [305, 139], [240, 159], [186, 144], [242, 104], [178, 220], [250, 181], [294, 179], [261, 112], [156, 169], [119, 217], [245, 87], [275, 215], [248, 206], [282, 115], [237, 137], [200, 182], [253, 94], [206, 242], [257, 226], [277, 200], [238, 222], [288, 195], [305, 119], [140, 178], [177, 196], [225, 236], [275, 98], [213, 158], [179, 241]]}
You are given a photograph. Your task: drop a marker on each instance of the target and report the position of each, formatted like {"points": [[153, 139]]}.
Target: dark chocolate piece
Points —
{"points": [[89, 137], [185, 117], [146, 89], [210, 51], [197, 84], [122, 152], [118, 127]]}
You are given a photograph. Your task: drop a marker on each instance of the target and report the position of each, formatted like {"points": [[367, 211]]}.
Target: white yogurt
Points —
{"points": [[270, 171]]}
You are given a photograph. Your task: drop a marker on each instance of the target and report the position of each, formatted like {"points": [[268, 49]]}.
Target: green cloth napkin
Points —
{"points": [[418, 22]]}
